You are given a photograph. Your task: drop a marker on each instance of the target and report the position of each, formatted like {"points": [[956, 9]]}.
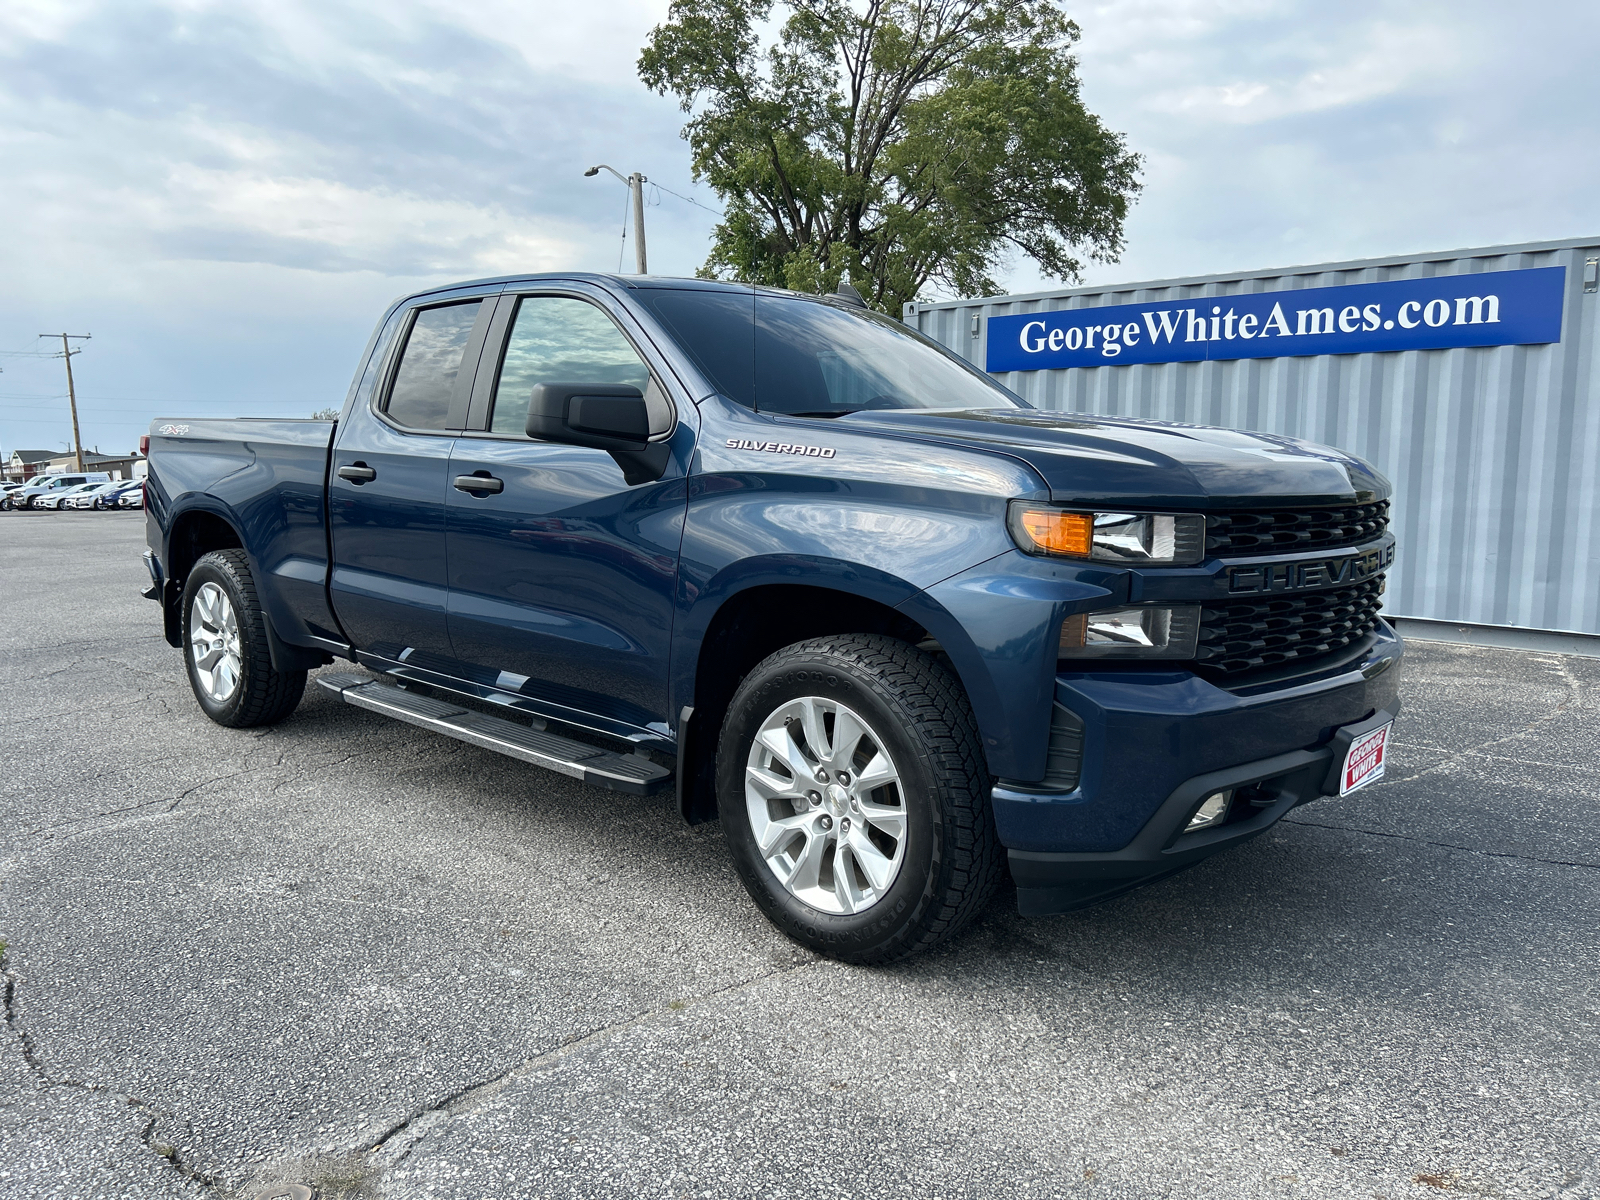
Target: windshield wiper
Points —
{"points": [[829, 412]]}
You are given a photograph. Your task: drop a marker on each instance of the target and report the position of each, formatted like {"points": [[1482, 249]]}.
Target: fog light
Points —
{"points": [[1210, 813]]}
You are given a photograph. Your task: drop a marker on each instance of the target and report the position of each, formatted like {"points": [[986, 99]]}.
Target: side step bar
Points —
{"points": [[631, 773]]}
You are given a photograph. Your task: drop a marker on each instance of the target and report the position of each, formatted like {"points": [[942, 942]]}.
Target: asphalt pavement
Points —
{"points": [[345, 953]]}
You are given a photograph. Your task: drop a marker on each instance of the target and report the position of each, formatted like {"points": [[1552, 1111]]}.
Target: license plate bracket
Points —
{"points": [[1360, 754]]}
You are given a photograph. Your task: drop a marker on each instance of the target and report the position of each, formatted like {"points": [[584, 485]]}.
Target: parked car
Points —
{"points": [[61, 497], [45, 485], [85, 496], [107, 496], [133, 497], [887, 620]]}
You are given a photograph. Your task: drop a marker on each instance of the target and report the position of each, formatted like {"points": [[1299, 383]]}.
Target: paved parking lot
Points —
{"points": [[346, 953]]}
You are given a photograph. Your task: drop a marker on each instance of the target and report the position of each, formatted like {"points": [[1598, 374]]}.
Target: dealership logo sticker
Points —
{"points": [[1365, 761], [1491, 308]]}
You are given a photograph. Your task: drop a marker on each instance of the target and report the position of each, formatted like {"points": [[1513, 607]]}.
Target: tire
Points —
{"points": [[852, 904], [236, 684]]}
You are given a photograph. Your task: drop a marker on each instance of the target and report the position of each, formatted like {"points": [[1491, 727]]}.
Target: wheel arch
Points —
{"points": [[195, 532], [753, 621]]}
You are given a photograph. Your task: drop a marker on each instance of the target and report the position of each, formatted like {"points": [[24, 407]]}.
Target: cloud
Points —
{"points": [[298, 165], [227, 194], [1279, 133]]}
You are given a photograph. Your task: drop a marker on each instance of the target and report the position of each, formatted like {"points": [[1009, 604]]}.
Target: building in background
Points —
{"points": [[118, 466], [25, 464], [1469, 377]]}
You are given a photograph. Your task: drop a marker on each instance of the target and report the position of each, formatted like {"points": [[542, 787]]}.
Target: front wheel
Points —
{"points": [[852, 787], [225, 646]]}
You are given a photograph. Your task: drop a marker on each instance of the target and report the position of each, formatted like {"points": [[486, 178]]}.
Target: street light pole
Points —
{"points": [[72, 395], [635, 183]]}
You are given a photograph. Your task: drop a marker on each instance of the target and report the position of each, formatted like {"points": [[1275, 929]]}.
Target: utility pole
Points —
{"points": [[72, 394], [635, 183]]}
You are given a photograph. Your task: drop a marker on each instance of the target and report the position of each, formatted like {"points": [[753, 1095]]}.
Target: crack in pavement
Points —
{"points": [[170, 803], [167, 1150], [473, 1096], [1406, 837], [29, 1053], [147, 1135]]}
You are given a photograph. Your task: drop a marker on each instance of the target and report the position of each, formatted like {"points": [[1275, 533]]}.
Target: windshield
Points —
{"points": [[791, 354]]}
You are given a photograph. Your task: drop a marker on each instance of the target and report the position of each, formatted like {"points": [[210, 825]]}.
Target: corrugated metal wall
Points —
{"points": [[1494, 451]]}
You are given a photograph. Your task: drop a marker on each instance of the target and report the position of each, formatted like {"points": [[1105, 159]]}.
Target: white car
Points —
{"points": [[59, 497], [28, 495], [85, 497]]}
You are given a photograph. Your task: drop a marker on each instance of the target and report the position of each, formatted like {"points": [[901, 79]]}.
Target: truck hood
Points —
{"points": [[1089, 460]]}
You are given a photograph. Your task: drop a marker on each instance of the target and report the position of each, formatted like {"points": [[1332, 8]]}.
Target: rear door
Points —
{"points": [[562, 577], [386, 490]]}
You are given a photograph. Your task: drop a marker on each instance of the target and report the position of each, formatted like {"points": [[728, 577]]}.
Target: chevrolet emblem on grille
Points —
{"points": [[1310, 573]]}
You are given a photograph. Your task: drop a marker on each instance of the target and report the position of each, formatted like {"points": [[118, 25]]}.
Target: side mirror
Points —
{"points": [[605, 416]]}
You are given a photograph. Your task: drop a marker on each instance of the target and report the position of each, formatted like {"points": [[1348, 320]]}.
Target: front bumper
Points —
{"points": [[1263, 793], [1155, 743]]}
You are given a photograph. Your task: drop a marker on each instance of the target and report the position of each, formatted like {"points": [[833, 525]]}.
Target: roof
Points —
{"points": [[32, 456], [624, 282], [90, 458], [1353, 264]]}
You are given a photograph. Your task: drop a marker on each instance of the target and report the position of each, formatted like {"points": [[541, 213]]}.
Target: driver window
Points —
{"points": [[556, 339]]}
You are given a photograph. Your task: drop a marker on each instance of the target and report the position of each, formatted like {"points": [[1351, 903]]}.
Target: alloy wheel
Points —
{"points": [[826, 805], [214, 642]]}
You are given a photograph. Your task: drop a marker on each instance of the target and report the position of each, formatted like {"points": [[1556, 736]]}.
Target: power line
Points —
{"points": [[622, 249], [687, 199], [10, 401]]}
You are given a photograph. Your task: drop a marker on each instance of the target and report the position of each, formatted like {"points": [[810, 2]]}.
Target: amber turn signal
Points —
{"points": [[1057, 532]]}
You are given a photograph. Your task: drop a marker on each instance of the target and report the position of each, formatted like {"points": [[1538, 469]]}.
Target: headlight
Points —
{"points": [[1143, 632], [1131, 539]]}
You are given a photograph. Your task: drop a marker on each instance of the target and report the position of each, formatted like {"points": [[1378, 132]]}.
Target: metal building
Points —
{"points": [[1491, 436]]}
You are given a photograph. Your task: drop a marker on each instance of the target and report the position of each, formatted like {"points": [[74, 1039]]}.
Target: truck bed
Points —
{"points": [[268, 480]]}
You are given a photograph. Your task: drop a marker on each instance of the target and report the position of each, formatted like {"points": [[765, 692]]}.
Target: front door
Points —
{"points": [[386, 492], [561, 581]]}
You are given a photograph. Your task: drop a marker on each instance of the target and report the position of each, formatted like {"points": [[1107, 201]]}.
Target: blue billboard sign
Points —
{"points": [[1492, 308]]}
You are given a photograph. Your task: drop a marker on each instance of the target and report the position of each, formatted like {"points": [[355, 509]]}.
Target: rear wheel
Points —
{"points": [[225, 646], [853, 791]]}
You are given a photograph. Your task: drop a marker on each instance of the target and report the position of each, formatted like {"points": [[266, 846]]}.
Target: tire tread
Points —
{"points": [[269, 695], [941, 721]]}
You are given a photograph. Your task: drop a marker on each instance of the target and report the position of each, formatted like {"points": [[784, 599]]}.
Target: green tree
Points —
{"points": [[902, 141]]}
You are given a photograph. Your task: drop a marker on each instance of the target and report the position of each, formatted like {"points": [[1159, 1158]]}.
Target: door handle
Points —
{"points": [[480, 482], [357, 473]]}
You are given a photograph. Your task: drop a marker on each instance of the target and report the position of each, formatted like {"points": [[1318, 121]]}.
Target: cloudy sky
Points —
{"points": [[227, 194]]}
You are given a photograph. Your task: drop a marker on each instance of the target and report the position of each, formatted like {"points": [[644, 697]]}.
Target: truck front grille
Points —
{"points": [[1270, 531], [1249, 635]]}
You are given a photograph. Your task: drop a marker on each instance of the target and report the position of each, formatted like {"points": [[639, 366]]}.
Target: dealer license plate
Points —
{"points": [[1366, 760]]}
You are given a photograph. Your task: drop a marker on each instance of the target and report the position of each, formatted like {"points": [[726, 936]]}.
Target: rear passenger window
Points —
{"points": [[426, 378], [559, 340]]}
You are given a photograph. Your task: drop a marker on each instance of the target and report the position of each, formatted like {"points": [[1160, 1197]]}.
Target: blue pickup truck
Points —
{"points": [[900, 631]]}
